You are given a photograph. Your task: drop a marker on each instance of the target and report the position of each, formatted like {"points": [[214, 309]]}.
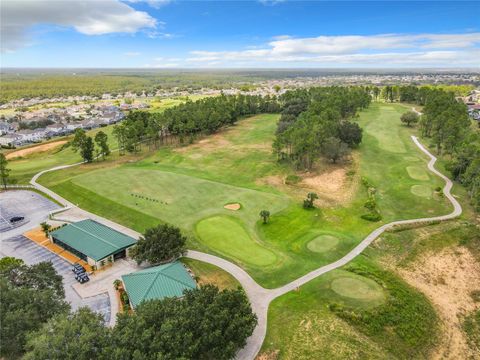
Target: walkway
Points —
{"points": [[260, 297]]}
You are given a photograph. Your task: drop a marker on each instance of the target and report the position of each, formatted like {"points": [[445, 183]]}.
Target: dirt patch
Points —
{"points": [[447, 279], [335, 184], [35, 149], [233, 207]]}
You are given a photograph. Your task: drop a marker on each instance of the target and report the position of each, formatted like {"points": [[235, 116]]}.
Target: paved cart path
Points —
{"points": [[260, 297]]}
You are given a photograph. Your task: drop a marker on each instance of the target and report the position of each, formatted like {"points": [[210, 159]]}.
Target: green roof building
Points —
{"points": [[92, 241], [169, 280]]}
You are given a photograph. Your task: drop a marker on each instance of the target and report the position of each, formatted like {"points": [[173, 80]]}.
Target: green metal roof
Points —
{"points": [[169, 280], [93, 239]]}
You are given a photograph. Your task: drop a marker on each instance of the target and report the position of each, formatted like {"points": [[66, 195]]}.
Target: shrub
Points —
{"points": [[370, 204], [373, 216], [292, 179]]}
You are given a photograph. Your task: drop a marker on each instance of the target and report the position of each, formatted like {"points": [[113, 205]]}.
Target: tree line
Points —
{"points": [[316, 122], [37, 322], [412, 93], [446, 123], [184, 122]]}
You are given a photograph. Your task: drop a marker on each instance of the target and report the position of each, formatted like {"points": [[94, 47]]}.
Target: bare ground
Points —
{"points": [[335, 184], [35, 149], [447, 279]]}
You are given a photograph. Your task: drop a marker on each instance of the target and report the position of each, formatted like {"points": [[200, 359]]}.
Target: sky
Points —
{"points": [[239, 34]]}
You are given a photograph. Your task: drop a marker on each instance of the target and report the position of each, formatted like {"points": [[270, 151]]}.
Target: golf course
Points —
{"points": [[189, 187]]}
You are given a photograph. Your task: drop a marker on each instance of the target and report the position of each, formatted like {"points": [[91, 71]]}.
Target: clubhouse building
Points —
{"points": [[95, 243]]}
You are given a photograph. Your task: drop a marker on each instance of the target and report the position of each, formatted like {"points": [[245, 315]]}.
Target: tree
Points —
{"points": [[334, 149], [350, 133], [79, 139], [102, 141], [4, 171], [159, 244], [308, 202], [205, 324], [265, 215], [409, 118], [81, 335], [45, 228], [29, 296], [87, 149]]}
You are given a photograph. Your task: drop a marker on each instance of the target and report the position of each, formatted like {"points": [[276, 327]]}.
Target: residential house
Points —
{"points": [[6, 128], [73, 126], [28, 135], [9, 140]]}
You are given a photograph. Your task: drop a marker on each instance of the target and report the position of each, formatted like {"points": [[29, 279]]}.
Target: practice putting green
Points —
{"points": [[421, 190], [322, 243], [357, 288], [417, 173], [227, 236]]}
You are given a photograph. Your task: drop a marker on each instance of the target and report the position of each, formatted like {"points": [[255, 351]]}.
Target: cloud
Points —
{"points": [[358, 50], [88, 17], [160, 35], [156, 4]]}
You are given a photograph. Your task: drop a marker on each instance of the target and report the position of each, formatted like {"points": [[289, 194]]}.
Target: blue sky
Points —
{"points": [[246, 34]]}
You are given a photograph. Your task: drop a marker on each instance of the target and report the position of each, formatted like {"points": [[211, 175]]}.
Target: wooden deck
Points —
{"points": [[38, 236]]}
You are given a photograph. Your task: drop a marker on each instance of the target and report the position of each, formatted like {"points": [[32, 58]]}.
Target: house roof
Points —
{"points": [[169, 280], [93, 239]]}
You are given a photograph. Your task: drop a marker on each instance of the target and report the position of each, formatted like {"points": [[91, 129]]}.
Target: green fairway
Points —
{"points": [[24, 168], [229, 237], [189, 186], [176, 198]]}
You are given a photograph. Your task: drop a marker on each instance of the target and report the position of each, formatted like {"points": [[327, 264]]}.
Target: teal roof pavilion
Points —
{"points": [[158, 282]]}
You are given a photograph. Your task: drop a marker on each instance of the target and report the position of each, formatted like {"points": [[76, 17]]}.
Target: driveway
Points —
{"points": [[35, 209]]}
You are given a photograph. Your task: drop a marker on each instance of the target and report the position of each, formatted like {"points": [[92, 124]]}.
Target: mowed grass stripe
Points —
{"points": [[175, 198]]}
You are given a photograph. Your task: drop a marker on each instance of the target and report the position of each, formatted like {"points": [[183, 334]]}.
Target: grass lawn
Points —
{"points": [[210, 274], [188, 187], [357, 312], [24, 168], [216, 229]]}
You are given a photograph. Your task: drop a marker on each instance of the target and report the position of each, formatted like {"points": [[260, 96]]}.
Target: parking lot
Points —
{"points": [[35, 209]]}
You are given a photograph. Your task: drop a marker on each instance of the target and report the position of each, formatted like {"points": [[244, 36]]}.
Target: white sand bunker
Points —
{"points": [[233, 206]]}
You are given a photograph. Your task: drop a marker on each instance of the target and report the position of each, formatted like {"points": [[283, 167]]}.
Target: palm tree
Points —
{"points": [[265, 215], [46, 228]]}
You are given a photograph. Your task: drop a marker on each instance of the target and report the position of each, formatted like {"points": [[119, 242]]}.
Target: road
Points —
{"points": [[260, 297]]}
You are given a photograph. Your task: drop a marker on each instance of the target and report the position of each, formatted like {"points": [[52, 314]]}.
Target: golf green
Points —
{"points": [[421, 190], [322, 243], [417, 173], [357, 288], [226, 235]]}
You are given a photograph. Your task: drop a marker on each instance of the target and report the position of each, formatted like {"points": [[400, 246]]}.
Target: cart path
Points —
{"points": [[260, 297]]}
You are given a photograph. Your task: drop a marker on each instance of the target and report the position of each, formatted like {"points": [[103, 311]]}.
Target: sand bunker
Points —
{"points": [[35, 149], [234, 206]]}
